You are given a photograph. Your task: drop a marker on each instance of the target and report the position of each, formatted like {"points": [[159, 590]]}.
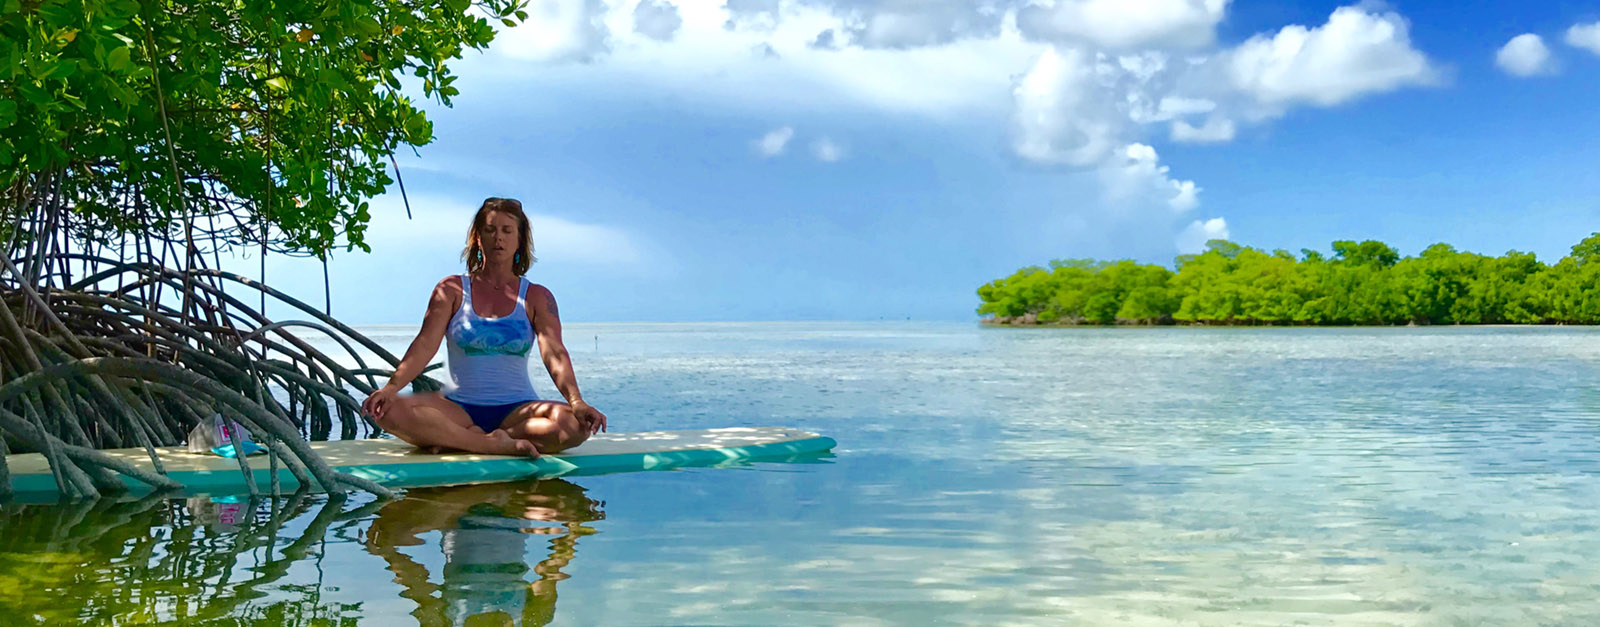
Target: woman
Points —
{"points": [[492, 318]]}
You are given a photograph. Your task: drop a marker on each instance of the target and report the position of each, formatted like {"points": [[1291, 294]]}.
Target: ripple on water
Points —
{"points": [[1081, 476]]}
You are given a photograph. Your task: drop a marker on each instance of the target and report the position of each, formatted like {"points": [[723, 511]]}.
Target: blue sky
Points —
{"points": [[689, 160]]}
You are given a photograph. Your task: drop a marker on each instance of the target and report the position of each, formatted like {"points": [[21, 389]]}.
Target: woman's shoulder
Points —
{"points": [[537, 291], [448, 289]]}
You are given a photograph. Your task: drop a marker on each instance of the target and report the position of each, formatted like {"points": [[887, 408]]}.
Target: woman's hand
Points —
{"points": [[589, 417], [378, 404]]}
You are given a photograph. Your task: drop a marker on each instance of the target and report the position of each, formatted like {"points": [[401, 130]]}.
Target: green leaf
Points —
{"points": [[8, 112], [65, 68], [124, 8], [457, 6], [119, 59], [43, 69], [367, 27], [417, 127], [56, 14], [34, 94], [278, 83]]}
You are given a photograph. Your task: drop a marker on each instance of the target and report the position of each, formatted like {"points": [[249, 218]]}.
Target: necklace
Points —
{"points": [[497, 287]]}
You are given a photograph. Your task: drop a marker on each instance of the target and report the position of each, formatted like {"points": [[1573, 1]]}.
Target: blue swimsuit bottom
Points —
{"points": [[489, 417]]}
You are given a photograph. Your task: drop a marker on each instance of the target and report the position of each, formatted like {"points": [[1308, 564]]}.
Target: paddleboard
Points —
{"points": [[394, 463]]}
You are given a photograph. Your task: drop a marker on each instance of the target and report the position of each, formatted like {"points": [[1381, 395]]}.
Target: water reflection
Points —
{"points": [[286, 561], [157, 559], [484, 534]]}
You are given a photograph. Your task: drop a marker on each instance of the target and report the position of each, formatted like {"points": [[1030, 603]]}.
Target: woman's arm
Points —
{"points": [[441, 305], [426, 344], [546, 318]]}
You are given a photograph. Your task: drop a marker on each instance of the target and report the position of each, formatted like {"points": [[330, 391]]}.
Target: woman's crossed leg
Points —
{"points": [[431, 421], [551, 426]]}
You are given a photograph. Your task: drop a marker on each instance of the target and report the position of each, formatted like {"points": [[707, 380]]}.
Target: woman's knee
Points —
{"points": [[403, 413]]}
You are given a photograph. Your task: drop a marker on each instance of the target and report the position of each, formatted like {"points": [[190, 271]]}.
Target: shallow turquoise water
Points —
{"points": [[1077, 476]]}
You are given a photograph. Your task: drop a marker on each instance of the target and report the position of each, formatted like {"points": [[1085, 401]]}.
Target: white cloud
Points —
{"points": [[1173, 107], [827, 150], [1193, 238], [1525, 55], [1079, 110], [774, 142], [1215, 131], [901, 24], [1063, 113], [559, 239], [1586, 36], [1115, 74], [757, 14], [1356, 53], [742, 55], [656, 19], [1136, 178], [1125, 23], [440, 225], [558, 31]]}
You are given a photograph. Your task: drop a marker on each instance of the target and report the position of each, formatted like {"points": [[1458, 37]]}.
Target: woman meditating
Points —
{"points": [[492, 318]]}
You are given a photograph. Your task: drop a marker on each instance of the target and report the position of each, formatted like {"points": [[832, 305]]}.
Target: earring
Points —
{"points": [[517, 258]]}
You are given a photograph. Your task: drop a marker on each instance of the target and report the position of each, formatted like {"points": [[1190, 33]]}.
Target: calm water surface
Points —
{"points": [[1075, 476]]}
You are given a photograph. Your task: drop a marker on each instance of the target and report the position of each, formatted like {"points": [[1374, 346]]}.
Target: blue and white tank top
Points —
{"points": [[489, 356]]}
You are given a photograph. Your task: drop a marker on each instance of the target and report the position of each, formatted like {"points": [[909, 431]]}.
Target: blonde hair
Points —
{"points": [[473, 253]]}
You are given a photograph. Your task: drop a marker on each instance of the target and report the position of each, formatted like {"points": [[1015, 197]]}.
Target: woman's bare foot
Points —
{"points": [[501, 443]]}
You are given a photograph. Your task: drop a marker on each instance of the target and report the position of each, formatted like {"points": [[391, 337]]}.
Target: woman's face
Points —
{"points": [[499, 238]]}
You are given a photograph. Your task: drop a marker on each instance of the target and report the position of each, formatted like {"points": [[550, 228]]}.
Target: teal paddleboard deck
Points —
{"points": [[395, 463]]}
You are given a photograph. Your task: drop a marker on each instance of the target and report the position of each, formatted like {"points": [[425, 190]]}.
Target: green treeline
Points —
{"points": [[1366, 283]]}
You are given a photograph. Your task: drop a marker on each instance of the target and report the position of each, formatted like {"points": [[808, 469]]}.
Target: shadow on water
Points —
{"points": [[277, 561]]}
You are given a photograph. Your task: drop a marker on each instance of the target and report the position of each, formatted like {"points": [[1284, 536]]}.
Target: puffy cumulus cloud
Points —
{"points": [[1083, 84], [558, 30], [826, 150], [656, 19], [1525, 55], [1065, 110], [1136, 178], [1586, 36], [914, 23], [1123, 24], [1216, 130], [1082, 110], [1193, 238], [757, 14], [1357, 52], [774, 142], [767, 54]]}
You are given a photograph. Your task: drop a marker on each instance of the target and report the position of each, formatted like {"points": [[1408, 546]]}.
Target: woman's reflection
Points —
{"points": [[484, 531]]}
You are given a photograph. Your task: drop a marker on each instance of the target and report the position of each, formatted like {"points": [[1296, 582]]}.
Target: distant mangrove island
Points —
{"points": [[1362, 283]]}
